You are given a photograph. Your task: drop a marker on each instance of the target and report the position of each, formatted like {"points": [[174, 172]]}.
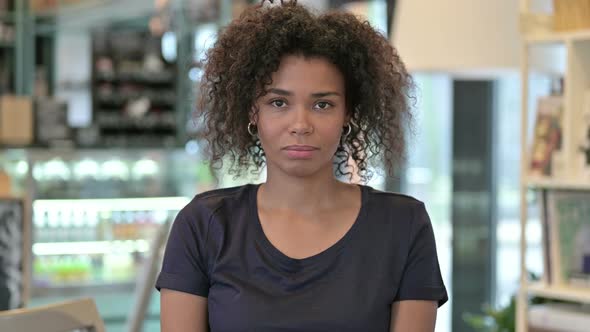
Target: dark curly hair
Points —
{"points": [[239, 66]]}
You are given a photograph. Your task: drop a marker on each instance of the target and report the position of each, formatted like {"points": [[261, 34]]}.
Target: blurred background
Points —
{"points": [[97, 134]]}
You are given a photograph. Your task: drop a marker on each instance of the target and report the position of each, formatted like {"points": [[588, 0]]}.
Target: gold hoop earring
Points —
{"points": [[250, 125], [348, 130]]}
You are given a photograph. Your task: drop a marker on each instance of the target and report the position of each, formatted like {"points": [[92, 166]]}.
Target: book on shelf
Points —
{"points": [[559, 317], [568, 220], [546, 154], [583, 140]]}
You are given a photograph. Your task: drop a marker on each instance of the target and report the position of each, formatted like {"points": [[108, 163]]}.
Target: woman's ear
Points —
{"points": [[347, 118], [253, 114]]}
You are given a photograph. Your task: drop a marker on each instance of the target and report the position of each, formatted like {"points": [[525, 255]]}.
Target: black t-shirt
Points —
{"points": [[217, 249]]}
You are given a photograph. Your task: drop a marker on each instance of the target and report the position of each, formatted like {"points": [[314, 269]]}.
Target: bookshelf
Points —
{"points": [[572, 174], [559, 292], [134, 89]]}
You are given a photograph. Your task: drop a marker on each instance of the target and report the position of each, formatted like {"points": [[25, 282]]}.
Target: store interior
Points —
{"points": [[100, 148]]}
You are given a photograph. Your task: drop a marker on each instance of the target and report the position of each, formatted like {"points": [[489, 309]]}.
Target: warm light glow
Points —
{"points": [[114, 168], [22, 167], [145, 167], [86, 168]]}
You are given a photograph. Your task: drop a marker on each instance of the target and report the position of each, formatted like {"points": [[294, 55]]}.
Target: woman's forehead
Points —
{"points": [[307, 73]]}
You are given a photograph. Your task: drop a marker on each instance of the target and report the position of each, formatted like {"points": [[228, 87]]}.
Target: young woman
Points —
{"points": [[302, 95]]}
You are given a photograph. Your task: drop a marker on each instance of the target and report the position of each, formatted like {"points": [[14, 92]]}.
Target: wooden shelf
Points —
{"points": [[548, 183], [558, 37], [564, 293]]}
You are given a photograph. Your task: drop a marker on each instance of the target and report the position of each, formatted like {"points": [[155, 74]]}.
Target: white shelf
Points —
{"points": [[548, 183], [549, 38], [565, 293], [113, 204], [90, 247], [558, 37]]}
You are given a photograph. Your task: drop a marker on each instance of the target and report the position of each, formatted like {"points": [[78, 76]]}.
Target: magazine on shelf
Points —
{"points": [[547, 137], [568, 215]]}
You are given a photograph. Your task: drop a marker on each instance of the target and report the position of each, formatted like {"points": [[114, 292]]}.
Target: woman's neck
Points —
{"points": [[304, 194]]}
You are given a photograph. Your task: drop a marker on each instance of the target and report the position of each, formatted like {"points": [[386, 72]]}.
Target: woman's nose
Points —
{"points": [[301, 123]]}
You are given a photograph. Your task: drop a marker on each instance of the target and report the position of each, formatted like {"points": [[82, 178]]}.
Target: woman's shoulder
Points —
{"points": [[391, 200], [222, 193], [209, 210], [208, 202], [405, 213]]}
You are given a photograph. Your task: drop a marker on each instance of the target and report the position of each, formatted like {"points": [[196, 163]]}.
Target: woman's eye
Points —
{"points": [[322, 105], [278, 103]]}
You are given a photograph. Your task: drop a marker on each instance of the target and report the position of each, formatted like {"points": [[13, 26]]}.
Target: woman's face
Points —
{"points": [[301, 118]]}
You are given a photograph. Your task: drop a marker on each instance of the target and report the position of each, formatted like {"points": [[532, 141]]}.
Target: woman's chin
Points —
{"points": [[301, 169]]}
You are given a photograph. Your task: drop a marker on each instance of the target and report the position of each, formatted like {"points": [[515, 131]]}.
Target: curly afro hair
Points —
{"points": [[240, 64]]}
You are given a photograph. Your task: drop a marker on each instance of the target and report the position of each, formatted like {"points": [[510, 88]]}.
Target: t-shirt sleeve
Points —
{"points": [[421, 279], [184, 267]]}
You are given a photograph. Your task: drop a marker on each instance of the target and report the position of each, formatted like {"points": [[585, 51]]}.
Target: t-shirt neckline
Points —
{"points": [[299, 262]]}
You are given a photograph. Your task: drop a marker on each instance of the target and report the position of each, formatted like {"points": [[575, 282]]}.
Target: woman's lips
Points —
{"points": [[300, 151]]}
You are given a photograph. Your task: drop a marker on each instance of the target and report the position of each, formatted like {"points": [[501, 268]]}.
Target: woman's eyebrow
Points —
{"points": [[324, 94], [280, 92], [283, 92]]}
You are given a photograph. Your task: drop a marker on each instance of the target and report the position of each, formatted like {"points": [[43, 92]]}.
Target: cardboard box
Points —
{"points": [[39, 6], [42, 5], [16, 120], [5, 184], [571, 14]]}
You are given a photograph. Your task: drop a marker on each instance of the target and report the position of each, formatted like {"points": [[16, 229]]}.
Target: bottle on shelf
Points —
{"points": [[91, 223], [105, 229], [116, 225], [77, 231], [40, 229], [53, 229]]}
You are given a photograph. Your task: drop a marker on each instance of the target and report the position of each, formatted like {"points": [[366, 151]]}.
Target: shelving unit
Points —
{"points": [[576, 78], [117, 169], [134, 89], [108, 256], [13, 56], [87, 243], [26, 64]]}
